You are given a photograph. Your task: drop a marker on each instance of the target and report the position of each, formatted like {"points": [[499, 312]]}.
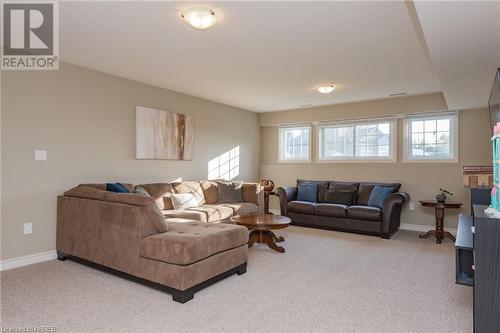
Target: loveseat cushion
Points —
{"points": [[213, 212], [364, 213], [301, 207], [243, 208], [187, 243], [334, 210]]}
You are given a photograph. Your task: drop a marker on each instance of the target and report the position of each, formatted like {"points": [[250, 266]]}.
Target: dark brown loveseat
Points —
{"points": [[359, 217]]}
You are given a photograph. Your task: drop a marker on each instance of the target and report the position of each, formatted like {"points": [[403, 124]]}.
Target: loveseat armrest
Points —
{"points": [[286, 194], [392, 213]]}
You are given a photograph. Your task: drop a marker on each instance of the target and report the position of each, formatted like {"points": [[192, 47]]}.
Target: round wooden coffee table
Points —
{"points": [[260, 227]]}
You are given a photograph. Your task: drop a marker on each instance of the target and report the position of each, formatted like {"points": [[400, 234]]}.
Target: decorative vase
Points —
{"points": [[441, 198]]}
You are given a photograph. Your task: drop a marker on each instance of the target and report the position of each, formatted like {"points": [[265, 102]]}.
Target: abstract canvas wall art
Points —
{"points": [[163, 135]]}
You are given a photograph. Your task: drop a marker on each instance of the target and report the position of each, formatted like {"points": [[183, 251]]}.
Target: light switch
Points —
{"points": [[28, 228], [412, 206], [40, 155]]}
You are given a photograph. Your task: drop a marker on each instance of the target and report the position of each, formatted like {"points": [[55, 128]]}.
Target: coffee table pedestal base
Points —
{"points": [[268, 237]]}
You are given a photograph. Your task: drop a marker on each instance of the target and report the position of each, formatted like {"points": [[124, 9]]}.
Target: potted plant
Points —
{"points": [[441, 198]]}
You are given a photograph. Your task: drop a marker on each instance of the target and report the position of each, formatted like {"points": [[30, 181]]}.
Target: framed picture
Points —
{"points": [[163, 135]]}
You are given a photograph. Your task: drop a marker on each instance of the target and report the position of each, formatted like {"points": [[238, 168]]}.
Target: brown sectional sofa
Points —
{"points": [[128, 234], [358, 218], [210, 209]]}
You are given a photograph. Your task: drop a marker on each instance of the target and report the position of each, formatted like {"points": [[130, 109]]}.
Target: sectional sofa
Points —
{"points": [[143, 238]]}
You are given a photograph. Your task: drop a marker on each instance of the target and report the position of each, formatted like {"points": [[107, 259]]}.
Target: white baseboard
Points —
{"points": [[423, 228], [51, 255], [27, 260]]}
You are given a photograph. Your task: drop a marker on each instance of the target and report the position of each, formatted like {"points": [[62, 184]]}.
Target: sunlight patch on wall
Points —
{"points": [[226, 165]]}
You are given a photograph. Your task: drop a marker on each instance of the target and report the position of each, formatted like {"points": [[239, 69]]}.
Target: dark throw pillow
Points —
{"points": [[341, 197], [229, 192], [307, 192], [116, 187], [378, 195]]}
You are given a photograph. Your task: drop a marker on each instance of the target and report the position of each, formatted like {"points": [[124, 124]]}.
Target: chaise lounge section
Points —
{"points": [[128, 234], [357, 217]]}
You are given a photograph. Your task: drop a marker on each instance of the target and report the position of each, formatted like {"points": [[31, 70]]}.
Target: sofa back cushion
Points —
{"points": [[378, 195], [365, 189], [210, 191], [250, 192], [183, 201], [322, 187], [346, 186], [190, 187], [307, 192], [341, 197], [230, 191], [160, 192]]}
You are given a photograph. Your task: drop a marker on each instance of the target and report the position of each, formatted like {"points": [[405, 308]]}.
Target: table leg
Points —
{"points": [[427, 234], [267, 237], [439, 223]]}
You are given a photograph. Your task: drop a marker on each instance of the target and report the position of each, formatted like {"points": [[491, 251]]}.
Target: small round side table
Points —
{"points": [[439, 208]]}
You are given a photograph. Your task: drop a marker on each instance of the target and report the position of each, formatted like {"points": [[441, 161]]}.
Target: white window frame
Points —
{"points": [[281, 159], [454, 134], [392, 158]]}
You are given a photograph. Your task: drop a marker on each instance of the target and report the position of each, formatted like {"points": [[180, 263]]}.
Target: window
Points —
{"points": [[295, 144], [363, 140], [431, 137]]}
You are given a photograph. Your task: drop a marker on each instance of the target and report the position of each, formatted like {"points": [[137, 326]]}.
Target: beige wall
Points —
{"points": [[85, 120], [420, 180]]}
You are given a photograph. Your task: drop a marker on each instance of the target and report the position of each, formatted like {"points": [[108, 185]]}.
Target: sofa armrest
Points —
{"points": [[392, 212], [286, 194]]}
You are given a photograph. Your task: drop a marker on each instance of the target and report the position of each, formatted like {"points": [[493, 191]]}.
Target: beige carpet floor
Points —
{"points": [[325, 282]]}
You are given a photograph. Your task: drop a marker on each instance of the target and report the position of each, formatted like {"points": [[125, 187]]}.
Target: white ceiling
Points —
{"points": [[266, 56], [464, 44]]}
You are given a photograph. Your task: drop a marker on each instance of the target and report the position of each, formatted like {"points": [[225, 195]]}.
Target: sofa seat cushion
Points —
{"points": [[185, 214], [301, 207], [364, 213], [187, 243], [334, 210], [242, 208], [214, 212]]}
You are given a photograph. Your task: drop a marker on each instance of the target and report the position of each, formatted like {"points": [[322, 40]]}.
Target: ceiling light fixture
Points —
{"points": [[326, 89], [199, 18]]}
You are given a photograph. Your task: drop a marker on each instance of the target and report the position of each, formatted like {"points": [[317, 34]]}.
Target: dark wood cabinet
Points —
{"points": [[487, 272]]}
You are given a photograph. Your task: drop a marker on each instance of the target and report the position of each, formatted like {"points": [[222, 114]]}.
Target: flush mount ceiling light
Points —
{"points": [[199, 18], [326, 89]]}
